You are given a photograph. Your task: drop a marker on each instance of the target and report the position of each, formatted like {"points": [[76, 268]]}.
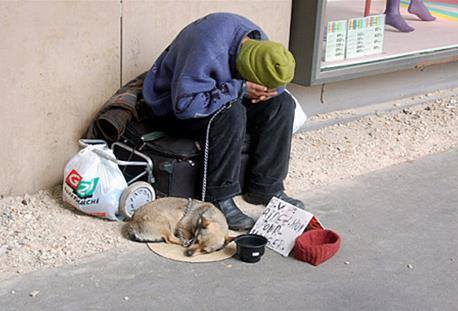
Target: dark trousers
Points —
{"points": [[269, 124]]}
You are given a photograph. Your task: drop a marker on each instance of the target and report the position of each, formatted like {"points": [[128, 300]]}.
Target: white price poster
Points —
{"points": [[356, 37], [336, 40]]}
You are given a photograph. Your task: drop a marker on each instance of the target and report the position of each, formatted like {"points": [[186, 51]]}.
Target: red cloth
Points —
{"points": [[316, 246], [314, 224]]}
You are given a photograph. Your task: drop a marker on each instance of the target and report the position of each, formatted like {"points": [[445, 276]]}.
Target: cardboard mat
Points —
{"points": [[177, 252]]}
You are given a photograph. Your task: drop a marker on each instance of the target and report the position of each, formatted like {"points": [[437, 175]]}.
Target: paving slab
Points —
{"points": [[399, 252]]}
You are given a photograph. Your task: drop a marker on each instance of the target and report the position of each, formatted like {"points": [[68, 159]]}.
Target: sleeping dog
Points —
{"points": [[198, 226]]}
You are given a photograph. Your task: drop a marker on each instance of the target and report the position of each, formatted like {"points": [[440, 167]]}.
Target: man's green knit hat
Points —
{"points": [[265, 62]]}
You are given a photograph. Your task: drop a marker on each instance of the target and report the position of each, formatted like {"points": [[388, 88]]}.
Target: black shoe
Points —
{"points": [[263, 199], [234, 216]]}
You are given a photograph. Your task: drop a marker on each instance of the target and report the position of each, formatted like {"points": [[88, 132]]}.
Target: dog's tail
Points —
{"points": [[133, 233]]}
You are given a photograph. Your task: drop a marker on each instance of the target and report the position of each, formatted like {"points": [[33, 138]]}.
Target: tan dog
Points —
{"points": [[199, 226]]}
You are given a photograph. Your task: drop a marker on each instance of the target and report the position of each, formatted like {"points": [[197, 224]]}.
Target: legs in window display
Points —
{"points": [[394, 18]]}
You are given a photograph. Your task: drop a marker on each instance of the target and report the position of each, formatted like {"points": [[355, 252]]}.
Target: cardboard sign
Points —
{"points": [[281, 223]]}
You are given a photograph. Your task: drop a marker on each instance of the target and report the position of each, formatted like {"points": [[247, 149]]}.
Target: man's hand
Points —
{"points": [[257, 92]]}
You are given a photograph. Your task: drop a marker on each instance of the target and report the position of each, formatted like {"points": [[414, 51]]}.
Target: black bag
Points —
{"points": [[177, 162]]}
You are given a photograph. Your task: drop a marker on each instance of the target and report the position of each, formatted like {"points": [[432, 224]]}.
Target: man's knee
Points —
{"points": [[281, 107], [287, 104], [235, 116]]}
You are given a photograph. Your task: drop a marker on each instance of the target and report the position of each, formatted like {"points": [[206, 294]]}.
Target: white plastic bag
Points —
{"points": [[93, 182], [299, 115]]}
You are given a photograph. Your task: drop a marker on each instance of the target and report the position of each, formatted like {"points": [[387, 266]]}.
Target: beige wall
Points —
{"points": [[149, 26], [60, 60]]}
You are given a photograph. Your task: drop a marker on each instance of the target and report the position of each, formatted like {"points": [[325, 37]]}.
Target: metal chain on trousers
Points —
{"points": [[207, 146]]}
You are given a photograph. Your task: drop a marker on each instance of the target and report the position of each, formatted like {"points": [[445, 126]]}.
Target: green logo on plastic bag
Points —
{"points": [[86, 188]]}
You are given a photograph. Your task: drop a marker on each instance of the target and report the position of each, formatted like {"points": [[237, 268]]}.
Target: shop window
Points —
{"points": [[353, 38]]}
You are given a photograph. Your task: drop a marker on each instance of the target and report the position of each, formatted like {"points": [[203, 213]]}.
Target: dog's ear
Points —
{"points": [[198, 225], [205, 221], [228, 239]]}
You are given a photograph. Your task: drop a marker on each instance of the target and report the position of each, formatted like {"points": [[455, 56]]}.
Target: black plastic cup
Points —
{"points": [[250, 247]]}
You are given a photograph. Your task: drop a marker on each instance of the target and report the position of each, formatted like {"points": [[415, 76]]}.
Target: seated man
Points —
{"points": [[219, 79]]}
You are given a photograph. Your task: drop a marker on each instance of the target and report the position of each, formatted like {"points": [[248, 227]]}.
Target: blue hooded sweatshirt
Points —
{"points": [[196, 74]]}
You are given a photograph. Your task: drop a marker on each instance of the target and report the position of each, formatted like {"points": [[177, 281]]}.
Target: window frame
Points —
{"points": [[307, 25]]}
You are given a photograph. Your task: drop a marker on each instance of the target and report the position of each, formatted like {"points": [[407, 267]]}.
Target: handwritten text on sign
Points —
{"points": [[281, 223]]}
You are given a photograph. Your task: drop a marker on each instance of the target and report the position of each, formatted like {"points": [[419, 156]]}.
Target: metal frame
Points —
{"points": [[307, 25], [148, 164]]}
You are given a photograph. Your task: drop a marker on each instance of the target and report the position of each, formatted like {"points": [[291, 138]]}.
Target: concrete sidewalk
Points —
{"points": [[404, 215]]}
